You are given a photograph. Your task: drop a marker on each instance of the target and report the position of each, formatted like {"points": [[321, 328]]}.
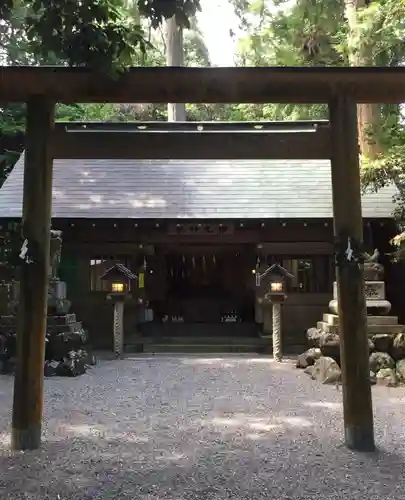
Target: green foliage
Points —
{"points": [[285, 33], [159, 10], [27, 35], [316, 33], [102, 34]]}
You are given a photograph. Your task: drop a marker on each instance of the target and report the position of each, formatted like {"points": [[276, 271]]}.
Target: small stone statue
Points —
{"points": [[373, 270], [372, 258], [55, 254]]}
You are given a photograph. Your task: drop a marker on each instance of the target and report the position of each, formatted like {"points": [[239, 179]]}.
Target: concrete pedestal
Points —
{"points": [[57, 297], [376, 302], [119, 329], [378, 320], [276, 331]]}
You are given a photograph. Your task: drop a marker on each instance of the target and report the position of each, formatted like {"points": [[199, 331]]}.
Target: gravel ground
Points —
{"points": [[200, 428]]}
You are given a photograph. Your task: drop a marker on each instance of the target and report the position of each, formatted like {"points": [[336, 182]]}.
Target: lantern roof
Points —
{"points": [[119, 270], [277, 270]]}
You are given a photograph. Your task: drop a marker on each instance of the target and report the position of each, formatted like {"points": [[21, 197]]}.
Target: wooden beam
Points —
{"points": [[348, 227], [205, 85], [191, 126], [299, 248], [37, 201], [192, 145]]}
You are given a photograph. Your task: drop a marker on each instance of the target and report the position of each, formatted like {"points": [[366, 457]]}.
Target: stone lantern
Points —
{"points": [[274, 283], [120, 280]]}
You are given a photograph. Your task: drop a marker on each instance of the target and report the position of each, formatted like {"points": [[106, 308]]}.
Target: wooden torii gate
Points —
{"points": [[340, 88]]}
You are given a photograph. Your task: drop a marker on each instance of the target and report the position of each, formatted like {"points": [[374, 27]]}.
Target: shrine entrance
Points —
{"points": [[203, 287]]}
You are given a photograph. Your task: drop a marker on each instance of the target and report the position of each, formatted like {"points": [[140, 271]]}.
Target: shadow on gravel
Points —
{"points": [[222, 467], [199, 429]]}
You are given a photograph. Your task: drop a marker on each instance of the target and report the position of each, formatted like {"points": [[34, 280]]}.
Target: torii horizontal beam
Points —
{"points": [[205, 85], [192, 145], [192, 126]]}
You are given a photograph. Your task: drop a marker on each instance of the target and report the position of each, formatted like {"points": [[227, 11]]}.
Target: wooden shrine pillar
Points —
{"points": [[36, 225], [348, 229]]}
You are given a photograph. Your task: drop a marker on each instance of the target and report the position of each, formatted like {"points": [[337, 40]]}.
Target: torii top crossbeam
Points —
{"points": [[204, 85]]}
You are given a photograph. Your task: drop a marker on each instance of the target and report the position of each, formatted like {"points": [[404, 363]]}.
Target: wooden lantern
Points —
{"points": [[274, 281], [119, 279]]}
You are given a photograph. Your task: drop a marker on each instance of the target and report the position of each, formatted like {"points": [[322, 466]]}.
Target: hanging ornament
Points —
{"points": [[183, 259], [193, 262], [214, 260], [204, 264]]}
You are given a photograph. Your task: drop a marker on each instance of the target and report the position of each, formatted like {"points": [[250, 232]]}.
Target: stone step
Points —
{"points": [[63, 319], [219, 340], [8, 320], [211, 340], [9, 328], [71, 327], [188, 330], [209, 345], [333, 319], [371, 329], [204, 348]]}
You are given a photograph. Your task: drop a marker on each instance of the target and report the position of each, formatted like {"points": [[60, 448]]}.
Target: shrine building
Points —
{"points": [[201, 226]]}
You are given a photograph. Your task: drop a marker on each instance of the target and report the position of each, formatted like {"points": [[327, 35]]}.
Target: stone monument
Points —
{"points": [[378, 307], [66, 350], [55, 254], [57, 291], [386, 336]]}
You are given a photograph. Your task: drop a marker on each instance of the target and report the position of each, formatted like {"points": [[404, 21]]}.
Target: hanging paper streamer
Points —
{"points": [[193, 262], [257, 279], [141, 280], [204, 264]]}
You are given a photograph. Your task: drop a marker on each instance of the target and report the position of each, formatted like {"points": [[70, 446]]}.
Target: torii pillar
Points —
{"points": [[348, 231], [36, 225]]}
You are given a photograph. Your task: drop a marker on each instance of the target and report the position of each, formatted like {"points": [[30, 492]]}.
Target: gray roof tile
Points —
{"points": [[190, 189]]}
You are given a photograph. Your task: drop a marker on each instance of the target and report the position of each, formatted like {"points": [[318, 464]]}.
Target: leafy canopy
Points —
{"points": [[102, 34], [318, 33]]}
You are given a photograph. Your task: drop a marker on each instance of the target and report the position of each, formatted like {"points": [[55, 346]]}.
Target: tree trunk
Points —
{"points": [[368, 115], [175, 57]]}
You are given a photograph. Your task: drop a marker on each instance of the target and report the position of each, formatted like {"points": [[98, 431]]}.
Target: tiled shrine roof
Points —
{"points": [[178, 189]]}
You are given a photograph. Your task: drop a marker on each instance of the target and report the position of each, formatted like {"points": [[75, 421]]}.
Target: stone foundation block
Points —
{"points": [[64, 319], [376, 307], [333, 319], [374, 290]]}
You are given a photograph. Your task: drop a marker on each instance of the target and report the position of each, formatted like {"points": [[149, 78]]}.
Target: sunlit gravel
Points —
{"points": [[200, 428]]}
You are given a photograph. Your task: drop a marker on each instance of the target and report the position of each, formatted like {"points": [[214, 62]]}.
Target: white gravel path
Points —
{"points": [[200, 428]]}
